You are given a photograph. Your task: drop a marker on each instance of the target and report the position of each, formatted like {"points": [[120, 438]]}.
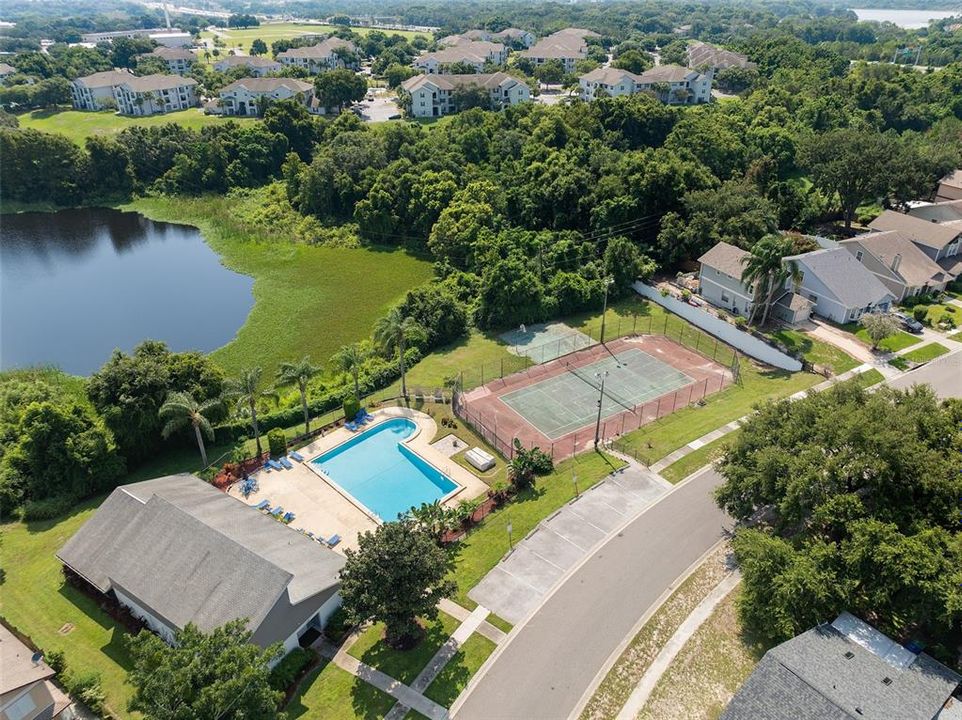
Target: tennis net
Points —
{"points": [[597, 386]]}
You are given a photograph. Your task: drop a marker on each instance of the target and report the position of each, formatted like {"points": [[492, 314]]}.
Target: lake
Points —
{"points": [[909, 19], [76, 284]]}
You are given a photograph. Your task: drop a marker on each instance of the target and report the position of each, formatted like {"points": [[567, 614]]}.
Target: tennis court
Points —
{"points": [[563, 403]]}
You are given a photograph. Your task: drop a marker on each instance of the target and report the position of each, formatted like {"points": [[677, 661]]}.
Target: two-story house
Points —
{"points": [[155, 94], [720, 281], [326, 55], [435, 95], [898, 263], [96, 92], [568, 46], [249, 96], [941, 241], [179, 60], [255, 65], [476, 53]]}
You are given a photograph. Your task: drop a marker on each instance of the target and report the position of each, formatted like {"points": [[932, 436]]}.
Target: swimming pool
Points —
{"points": [[382, 473]]}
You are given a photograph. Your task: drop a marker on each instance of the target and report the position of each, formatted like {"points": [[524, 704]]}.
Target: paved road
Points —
{"points": [[546, 667], [944, 374]]}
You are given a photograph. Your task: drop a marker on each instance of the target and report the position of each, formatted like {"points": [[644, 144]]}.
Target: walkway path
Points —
{"points": [[639, 696]]}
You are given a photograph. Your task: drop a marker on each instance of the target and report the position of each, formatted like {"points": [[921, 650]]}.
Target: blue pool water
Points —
{"points": [[382, 473]]}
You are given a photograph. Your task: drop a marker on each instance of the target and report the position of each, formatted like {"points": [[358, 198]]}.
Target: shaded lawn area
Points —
{"points": [[815, 351], [308, 300], [333, 694], [925, 353], [936, 311], [482, 548], [78, 125], [403, 665], [454, 677], [39, 604], [893, 343]]}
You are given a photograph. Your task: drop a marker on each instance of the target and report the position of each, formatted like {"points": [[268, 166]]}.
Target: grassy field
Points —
{"points": [[935, 313], [308, 300], [454, 677], [78, 125], [243, 37], [680, 469], [405, 665], [54, 615], [893, 343], [815, 351], [333, 694], [926, 353]]}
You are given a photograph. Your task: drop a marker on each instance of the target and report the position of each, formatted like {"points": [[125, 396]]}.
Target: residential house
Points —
{"points": [[720, 281], [940, 212], [27, 691], [515, 37], [841, 288], [6, 71], [567, 46], [249, 96], [705, 55], [846, 670], [434, 95], [155, 94], [96, 92], [950, 187], [941, 241], [476, 53], [255, 65], [178, 60], [671, 84], [898, 262], [176, 550], [320, 57]]}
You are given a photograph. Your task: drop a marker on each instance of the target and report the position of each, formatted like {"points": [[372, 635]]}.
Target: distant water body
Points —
{"points": [[909, 19], [76, 284]]}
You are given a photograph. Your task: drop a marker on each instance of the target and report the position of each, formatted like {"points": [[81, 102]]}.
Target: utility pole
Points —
{"points": [[608, 281], [601, 398]]}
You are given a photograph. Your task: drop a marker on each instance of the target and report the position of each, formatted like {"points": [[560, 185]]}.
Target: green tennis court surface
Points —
{"points": [[566, 402]]}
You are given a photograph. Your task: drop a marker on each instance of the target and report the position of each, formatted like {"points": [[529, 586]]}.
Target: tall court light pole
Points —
{"points": [[601, 398]]}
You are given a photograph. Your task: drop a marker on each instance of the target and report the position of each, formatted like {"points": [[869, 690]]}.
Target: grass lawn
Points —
{"points": [[957, 337], [54, 615], [925, 353], [333, 694], [680, 469], [453, 678], [405, 665], [78, 125], [893, 343], [269, 32], [815, 351], [936, 311], [309, 300], [484, 546], [708, 671]]}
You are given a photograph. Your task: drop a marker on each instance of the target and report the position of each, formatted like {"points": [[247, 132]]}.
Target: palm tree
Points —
{"points": [[299, 374], [180, 409], [765, 270], [245, 391], [349, 359], [392, 332]]}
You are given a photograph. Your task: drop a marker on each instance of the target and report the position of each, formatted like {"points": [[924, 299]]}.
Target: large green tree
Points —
{"points": [[337, 88], [397, 575], [219, 675], [855, 500]]}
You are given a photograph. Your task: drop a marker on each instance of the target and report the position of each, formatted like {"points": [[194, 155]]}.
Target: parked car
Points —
{"points": [[394, 117], [909, 323]]}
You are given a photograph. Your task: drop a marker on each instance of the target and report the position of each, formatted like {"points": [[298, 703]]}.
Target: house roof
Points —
{"points": [[323, 49], [953, 179], [666, 73], [562, 44], [924, 232], [838, 671], [455, 54], [576, 32], [609, 76], [793, 301], [844, 276], [726, 258], [17, 665], [108, 78], [7, 69], [190, 553], [267, 84], [944, 211], [511, 33], [452, 81], [247, 61], [915, 267], [173, 53], [151, 83], [700, 53]]}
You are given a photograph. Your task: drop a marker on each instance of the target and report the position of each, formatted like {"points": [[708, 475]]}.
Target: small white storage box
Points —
{"points": [[479, 458]]}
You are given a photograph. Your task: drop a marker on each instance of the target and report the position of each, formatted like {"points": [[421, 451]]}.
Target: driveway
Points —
{"points": [[518, 584], [551, 659], [381, 108], [839, 338]]}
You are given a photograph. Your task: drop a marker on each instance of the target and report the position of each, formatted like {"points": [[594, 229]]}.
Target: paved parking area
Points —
{"points": [[521, 580]]}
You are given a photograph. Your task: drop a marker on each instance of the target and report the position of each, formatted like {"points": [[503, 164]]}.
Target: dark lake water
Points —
{"points": [[76, 284]]}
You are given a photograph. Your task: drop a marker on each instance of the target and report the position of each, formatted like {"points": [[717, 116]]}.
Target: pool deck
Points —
{"points": [[324, 510]]}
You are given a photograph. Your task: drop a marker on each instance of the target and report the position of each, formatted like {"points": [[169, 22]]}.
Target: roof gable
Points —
{"points": [[843, 276], [925, 232], [726, 258], [914, 266]]}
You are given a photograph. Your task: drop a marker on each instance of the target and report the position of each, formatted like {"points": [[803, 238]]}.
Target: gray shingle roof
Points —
{"points": [[609, 76], [450, 82], [824, 674], [153, 83], [17, 668], [726, 258], [844, 276], [107, 78], [191, 553], [924, 232], [322, 50], [267, 84], [915, 267], [666, 73], [940, 212]]}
